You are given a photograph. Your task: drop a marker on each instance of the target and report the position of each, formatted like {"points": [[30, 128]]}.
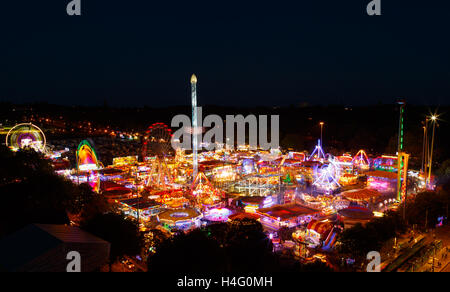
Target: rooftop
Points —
{"points": [[286, 212], [361, 195], [383, 174]]}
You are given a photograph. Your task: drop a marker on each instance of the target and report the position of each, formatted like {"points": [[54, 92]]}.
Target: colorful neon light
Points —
{"points": [[318, 154], [361, 160], [26, 135], [87, 161], [327, 177]]}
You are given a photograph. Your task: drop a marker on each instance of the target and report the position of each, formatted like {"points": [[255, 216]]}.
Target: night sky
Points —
{"points": [[245, 53]]}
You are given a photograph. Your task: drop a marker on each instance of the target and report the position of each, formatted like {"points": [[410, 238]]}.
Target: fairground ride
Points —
{"points": [[156, 149], [24, 136], [88, 165], [361, 161], [327, 176]]}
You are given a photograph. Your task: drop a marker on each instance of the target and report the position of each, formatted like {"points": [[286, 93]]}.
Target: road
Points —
{"points": [[443, 234]]}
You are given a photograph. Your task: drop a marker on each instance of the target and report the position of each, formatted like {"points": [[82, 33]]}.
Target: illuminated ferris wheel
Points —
{"points": [[24, 136], [327, 176], [157, 141], [156, 148]]}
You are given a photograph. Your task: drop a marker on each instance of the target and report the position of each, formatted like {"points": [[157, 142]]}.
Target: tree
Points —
{"points": [[122, 233], [193, 252], [240, 246], [31, 192], [426, 208], [360, 240], [22, 165], [90, 203], [154, 239], [248, 248], [444, 171], [357, 241]]}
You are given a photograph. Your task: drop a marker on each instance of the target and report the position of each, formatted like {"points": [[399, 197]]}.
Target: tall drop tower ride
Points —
{"points": [[403, 157], [194, 126]]}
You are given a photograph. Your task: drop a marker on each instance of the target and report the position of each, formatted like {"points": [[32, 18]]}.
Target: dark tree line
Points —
{"points": [[31, 192], [360, 240], [240, 246], [422, 212]]}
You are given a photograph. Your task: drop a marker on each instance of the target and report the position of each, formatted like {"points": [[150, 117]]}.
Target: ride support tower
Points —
{"points": [[195, 134]]}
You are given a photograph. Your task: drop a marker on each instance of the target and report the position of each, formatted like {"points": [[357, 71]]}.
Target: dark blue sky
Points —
{"points": [[134, 52]]}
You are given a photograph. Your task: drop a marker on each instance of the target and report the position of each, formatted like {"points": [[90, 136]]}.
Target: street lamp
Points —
{"points": [[425, 142], [321, 134], [434, 119]]}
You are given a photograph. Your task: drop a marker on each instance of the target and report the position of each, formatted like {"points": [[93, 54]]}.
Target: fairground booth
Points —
{"points": [[368, 198], [354, 215], [321, 233], [143, 208], [182, 219], [290, 215], [382, 181]]}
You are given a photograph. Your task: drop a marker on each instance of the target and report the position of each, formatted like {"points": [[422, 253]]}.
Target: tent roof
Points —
{"points": [[35, 240], [361, 195]]}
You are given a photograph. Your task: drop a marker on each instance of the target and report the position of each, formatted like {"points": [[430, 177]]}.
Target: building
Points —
{"points": [[143, 208], [289, 215], [44, 248], [355, 215], [182, 219], [382, 181]]}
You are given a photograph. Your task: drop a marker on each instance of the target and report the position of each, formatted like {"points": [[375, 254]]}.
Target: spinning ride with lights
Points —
{"points": [[156, 148], [318, 154], [361, 161], [249, 166], [88, 164], [204, 192], [24, 136], [327, 176]]}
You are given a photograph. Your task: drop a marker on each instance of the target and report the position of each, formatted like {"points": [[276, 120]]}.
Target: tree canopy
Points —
{"points": [[240, 246], [122, 233], [359, 240], [31, 192]]}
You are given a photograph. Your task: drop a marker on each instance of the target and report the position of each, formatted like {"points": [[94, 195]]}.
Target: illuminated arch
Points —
{"points": [[87, 162], [86, 157]]}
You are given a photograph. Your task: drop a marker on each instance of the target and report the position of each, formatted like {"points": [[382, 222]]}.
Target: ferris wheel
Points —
{"points": [[327, 176], [156, 148], [157, 141], [26, 135]]}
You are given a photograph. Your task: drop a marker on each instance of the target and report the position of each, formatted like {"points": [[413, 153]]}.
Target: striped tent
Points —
{"points": [[322, 228]]}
